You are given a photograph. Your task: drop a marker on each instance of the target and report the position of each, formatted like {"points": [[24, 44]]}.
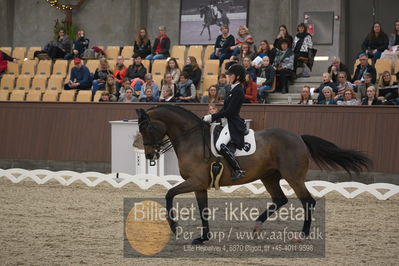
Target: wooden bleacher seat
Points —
{"points": [[382, 65], [92, 65], [55, 83], [97, 96], [211, 67], [50, 96], [112, 52], [209, 80], [39, 83], [396, 70], [223, 68], [6, 49], [32, 50], [7, 82], [112, 64], [13, 68], [17, 95], [158, 67], [67, 96], [129, 62], [34, 96], [4, 95], [178, 51], [127, 52], [23, 82], [208, 51], [84, 96], [196, 51], [29, 67], [44, 68], [60, 68], [19, 52], [157, 80]]}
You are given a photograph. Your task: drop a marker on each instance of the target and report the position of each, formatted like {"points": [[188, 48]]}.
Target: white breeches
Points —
{"points": [[224, 137]]}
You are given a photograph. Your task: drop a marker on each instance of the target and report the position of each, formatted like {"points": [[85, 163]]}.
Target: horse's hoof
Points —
{"points": [[199, 241]]}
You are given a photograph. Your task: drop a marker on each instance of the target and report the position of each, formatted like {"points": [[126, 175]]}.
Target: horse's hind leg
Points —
{"points": [[272, 184]]}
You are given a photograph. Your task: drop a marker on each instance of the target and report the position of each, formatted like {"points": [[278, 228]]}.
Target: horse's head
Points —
{"points": [[153, 134]]}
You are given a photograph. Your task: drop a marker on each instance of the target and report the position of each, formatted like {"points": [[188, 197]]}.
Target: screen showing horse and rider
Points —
{"points": [[200, 20]]}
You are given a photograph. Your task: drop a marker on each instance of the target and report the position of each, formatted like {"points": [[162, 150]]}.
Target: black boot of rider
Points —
{"points": [[237, 173]]}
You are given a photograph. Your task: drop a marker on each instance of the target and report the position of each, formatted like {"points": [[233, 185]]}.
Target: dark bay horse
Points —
{"points": [[280, 154], [206, 13]]}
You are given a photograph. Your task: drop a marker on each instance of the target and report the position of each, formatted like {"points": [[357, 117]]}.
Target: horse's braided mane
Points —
{"points": [[179, 109]]}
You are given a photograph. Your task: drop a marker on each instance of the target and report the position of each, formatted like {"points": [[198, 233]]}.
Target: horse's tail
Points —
{"points": [[328, 155]]}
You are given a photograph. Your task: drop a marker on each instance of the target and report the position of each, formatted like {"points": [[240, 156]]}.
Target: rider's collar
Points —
{"points": [[234, 85]]}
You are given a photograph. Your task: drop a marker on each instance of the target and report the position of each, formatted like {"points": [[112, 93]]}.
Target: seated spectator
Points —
{"points": [[284, 65], [149, 96], [363, 68], [247, 64], [250, 89], [343, 83], [265, 78], [100, 76], [283, 34], [160, 49], [128, 97], [110, 87], [328, 96], [136, 85], [172, 67], [4, 58], [119, 71], [302, 43], [362, 88], [264, 50], [223, 45], [349, 98], [326, 82], [105, 97], [393, 45], [212, 96], [193, 70], [60, 47], [137, 69], [243, 37], [386, 80], [167, 96], [305, 96], [212, 109], [80, 77], [80, 45], [375, 43], [223, 86], [142, 44], [125, 86], [371, 98], [245, 52], [336, 67], [149, 83], [167, 83], [185, 89]]}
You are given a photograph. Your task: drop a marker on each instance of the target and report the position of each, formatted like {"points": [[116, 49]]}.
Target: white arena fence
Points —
{"points": [[381, 191]]}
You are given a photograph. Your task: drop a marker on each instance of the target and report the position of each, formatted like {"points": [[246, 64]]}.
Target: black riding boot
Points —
{"points": [[237, 173]]}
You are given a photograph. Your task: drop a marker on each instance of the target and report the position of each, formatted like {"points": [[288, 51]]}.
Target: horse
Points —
{"points": [[206, 13], [279, 154]]}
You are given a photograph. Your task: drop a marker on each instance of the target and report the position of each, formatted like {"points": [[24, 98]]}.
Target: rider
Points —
{"points": [[215, 11], [232, 135]]}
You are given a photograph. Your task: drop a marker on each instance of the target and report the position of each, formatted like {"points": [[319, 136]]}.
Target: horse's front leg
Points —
{"points": [[209, 32], [202, 200], [185, 187]]}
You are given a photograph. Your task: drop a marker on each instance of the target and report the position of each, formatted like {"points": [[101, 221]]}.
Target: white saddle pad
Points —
{"points": [[249, 144]]}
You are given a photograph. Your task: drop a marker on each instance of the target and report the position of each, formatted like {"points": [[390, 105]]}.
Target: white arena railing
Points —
{"points": [[381, 191]]}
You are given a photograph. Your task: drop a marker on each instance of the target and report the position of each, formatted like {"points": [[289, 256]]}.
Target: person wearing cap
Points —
{"points": [[232, 135], [80, 77]]}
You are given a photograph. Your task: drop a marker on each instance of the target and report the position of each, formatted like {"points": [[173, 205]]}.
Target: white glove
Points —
{"points": [[207, 118]]}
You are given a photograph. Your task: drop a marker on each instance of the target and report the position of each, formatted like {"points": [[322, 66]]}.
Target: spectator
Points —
{"points": [[167, 95], [100, 76], [149, 83], [125, 86], [4, 58], [328, 96], [212, 109], [247, 64], [343, 83], [264, 50], [142, 44], [60, 47], [362, 88], [80, 45], [161, 47], [119, 72], [185, 89], [336, 67], [363, 68], [137, 69], [283, 35], [251, 91], [327, 82], [393, 45], [375, 43], [284, 64], [223, 87], [243, 37], [245, 52], [168, 83], [80, 77], [371, 98], [149, 96], [349, 98], [302, 43], [128, 97], [265, 78], [212, 96], [223, 45], [386, 80], [172, 67], [193, 70], [305, 96], [110, 87], [105, 97]]}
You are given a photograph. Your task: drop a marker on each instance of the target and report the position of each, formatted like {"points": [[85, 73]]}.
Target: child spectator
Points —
{"points": [[119, 72], [265, 78], [185, 89], [212, 109], [193, 70], [142, 44], [137, 69], [172, 67], [80, 45], [100, 76], [212, 96], [224, 45], [305, 96], [80, 77], [105, 97], [161, 47]]}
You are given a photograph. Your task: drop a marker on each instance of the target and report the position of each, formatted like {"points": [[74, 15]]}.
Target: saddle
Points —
{"points": [[249, 141]]}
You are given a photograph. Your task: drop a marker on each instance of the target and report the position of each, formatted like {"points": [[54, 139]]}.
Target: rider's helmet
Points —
{"points": [[237, 70]]}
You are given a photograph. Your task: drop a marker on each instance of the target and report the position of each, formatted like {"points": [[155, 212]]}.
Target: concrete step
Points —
{"points": [[296, 88], [312, 79], [279, 98]]}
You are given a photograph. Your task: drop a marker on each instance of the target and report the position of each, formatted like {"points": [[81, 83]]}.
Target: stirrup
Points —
{"points": [[237, 174]]}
